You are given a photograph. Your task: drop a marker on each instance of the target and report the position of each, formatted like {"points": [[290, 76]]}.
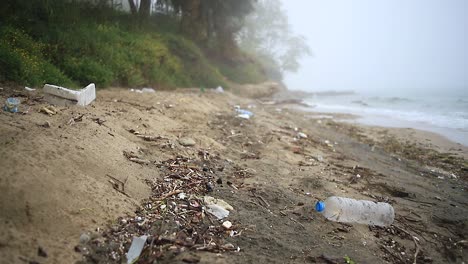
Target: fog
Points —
{"points": [[389, 47]]}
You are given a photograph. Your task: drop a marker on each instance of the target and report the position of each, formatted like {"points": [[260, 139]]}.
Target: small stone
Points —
{"points": [[227, 224], [229, 246], [209, 187], [301, 135], [219, 181], [84, 238], [41, 252], [187, 142]]}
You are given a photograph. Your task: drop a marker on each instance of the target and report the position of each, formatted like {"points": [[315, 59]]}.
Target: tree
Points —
{"points": [[144, 9], [213, 20], [267, 34]]}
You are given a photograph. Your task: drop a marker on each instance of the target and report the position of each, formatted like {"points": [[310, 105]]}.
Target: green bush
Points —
{"points": [[22, 61], [73, 44], [85, 70]]}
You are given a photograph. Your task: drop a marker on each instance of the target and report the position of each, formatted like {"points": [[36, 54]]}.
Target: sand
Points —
{"points": [[54, 181]]}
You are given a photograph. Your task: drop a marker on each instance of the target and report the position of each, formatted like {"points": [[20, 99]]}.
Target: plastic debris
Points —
{"points": [[11, 105], [143, 90], [138, 243], [84, 238], [241, 113], [219, 89], [217, 207], [227, 224], [62, 96], [148, 90], [217, 211], [347, 210], [29, 89]]}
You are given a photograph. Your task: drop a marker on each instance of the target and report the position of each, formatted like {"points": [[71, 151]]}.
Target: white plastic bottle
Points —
{"points": [[348, 210]]}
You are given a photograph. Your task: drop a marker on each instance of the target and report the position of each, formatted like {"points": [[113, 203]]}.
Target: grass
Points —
{"points": [[109, 49]]}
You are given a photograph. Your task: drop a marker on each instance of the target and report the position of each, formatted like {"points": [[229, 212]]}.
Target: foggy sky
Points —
{"points": [[382, 46]]}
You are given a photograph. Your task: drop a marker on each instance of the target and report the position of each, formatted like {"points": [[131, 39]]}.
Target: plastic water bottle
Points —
{"points": [[11, 105], [348, 210]]}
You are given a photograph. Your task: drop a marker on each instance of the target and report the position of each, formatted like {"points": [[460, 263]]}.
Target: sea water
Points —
{"points": [[443, 114]]}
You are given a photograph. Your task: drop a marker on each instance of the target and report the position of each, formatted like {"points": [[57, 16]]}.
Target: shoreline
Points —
{"points": [[453, 136]]}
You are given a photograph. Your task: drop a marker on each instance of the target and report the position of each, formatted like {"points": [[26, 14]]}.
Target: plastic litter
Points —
{"points": [[84, 238], [242, 113], [138, 243], [217, 207], [217, 211], [62, 96], [219, 89], [227, 224], [347, 210], [29, 89], [148, 90], [11, 105], [143, 90]]}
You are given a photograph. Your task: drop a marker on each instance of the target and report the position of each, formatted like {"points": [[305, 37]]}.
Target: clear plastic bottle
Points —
{"points": [[348, 210]]}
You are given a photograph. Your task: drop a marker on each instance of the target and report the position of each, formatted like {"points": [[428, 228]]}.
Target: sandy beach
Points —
{"points": [[61, 177]]}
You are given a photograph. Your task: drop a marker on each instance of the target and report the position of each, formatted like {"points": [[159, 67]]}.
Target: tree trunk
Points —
{"points": [[145, 8], [192, 19], [133, 8]]}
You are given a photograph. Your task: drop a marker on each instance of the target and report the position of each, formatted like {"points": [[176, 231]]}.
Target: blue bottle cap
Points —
{"points": [[320, 206]]}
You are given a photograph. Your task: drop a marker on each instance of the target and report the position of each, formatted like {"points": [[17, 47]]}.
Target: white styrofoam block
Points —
{"points": [[82, 97]]}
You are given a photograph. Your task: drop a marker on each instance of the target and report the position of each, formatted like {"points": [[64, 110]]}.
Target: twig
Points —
{"points": [[261, 198], [119, 183], [150, 138], [415, 240], [417, 250], [392, 254], [428, 203], [295, 221], [139, 161], [169, 194], [235, 135]]}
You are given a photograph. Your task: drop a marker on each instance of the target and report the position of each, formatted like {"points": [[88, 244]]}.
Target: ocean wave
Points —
{"points": [[456, 120]]}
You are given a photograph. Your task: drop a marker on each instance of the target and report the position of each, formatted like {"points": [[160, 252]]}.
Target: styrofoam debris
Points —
{"points": [[63, 96], [227, 224]]}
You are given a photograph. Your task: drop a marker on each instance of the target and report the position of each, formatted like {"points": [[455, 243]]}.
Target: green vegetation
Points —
{"points": [[187, 43], [73, 44], [348, 260], [22, 60]]}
